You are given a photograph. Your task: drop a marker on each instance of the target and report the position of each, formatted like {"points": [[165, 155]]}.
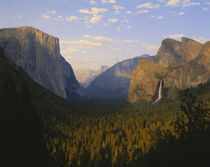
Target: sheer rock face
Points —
{"points": [[180, 65], [114, 82], [175, 53], [144, 81], [39, 55]]}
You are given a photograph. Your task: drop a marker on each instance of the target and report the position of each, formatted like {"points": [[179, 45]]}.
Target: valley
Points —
{"points": [[145, 111]]}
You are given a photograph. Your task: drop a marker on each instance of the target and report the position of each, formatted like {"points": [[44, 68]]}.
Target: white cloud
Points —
{"points": [[59, 18], [176, 36], [20, 16], [93, 11], [128, 12], [207, 3], [96, 19], [205, 9], [142, 11], [112, 20], [188, 3], [71, 50], [150, 47], [181, 13], [92, 2], [157, 17], [51, 12], [44, 16], [83, 44], [118, 7], [87, 36], [71, 18], [173, 3], [108, 1], [100, 38], [184, 3], [148, 5]]}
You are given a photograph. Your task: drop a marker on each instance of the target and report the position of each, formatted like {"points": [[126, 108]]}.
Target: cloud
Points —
{"points": [[59, 18], [71, 18], [118, 7], [157, 17], [100, 38], [176, 36], [181, 13], [205, 9], [150, 47], [96, 19], [188, 3], [87, 36], [128, 12], [173, 3], [92, 2], [142, 11], [184, 3], [93, 11], [148, 6], [51, 12], [71, 50], [20, 16], [44, 16], [83, 44], [108, 1], [207, 3], [112, 20]]}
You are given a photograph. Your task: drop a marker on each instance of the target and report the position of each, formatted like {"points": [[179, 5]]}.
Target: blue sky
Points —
{"points": [[103, 32]]}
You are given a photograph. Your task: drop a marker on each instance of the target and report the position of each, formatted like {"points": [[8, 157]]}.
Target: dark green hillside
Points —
{"points": [[21, 140]]}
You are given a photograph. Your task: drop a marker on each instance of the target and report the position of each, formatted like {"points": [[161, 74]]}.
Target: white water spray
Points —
{"points": [[159, 92]]}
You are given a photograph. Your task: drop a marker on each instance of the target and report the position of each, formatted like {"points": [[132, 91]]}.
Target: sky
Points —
{"points": [[103, 32]]}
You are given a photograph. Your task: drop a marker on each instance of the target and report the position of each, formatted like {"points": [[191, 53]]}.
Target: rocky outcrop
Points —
{"points": [[144, 81], [180, 65], [175, 53], [86, 76], [114, 82], [39, 55]]}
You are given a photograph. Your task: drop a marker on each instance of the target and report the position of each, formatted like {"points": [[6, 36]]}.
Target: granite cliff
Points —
{"points": [[39, 55], [179, 65], [114, 82]]}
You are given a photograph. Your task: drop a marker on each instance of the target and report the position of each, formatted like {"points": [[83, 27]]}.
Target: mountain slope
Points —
{"points": [[39, 55], [186, 65], [115, 81]]}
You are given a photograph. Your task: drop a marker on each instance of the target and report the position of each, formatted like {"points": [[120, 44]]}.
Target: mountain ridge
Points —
{"points": [[39, 55], [186, 64]]}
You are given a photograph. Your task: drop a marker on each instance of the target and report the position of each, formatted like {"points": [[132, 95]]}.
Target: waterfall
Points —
{"points": [[159, 92]]}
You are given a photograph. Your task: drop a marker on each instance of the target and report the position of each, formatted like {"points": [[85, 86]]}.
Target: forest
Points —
{"points": [[172, 133]]}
